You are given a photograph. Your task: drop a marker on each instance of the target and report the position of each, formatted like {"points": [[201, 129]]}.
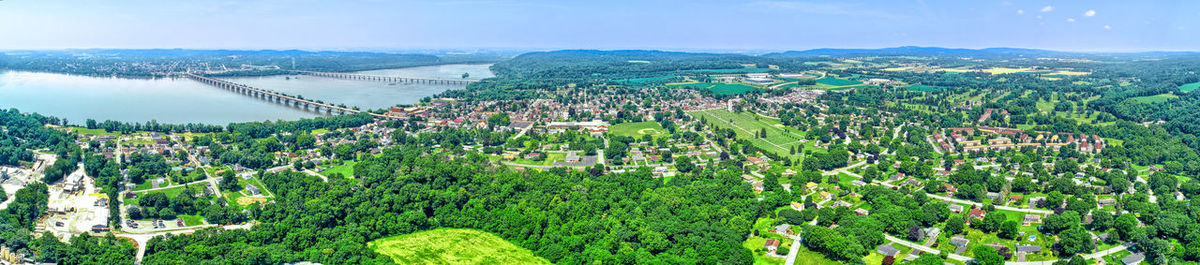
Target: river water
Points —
{"points": [[180, 101]]}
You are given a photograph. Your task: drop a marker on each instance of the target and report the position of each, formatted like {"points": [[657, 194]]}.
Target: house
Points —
{"points": [[253, 190], [771, 245], [887, 250], [1017, 197], [859, 183], [955, 208], [993, 195], [841, 203], [826, 195], [959, 240], [1134, 258], [1107, 202], [1035, 201], [912, 182], [573, 157], [1032, 218], [932, 232], [861, 211], [783, 229], [977, 213], [1028, 248], [949, 188]]}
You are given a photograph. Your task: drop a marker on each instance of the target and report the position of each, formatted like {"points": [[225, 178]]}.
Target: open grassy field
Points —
{"points": [[780, 139], [1006, 70], [1189, 87], [453, 246], [637, 129], [719, 88], [837, 82], [920, 87], [346, 169], [1160, 98]]}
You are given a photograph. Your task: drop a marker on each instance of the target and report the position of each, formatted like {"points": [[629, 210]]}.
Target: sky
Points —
{"points": [[728, 25]]}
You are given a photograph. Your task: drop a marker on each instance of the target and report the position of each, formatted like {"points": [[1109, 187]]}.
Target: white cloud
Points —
{"points": [[1070, 20], [1048, 9], [1089, 13], [1039, 17], [1020, 12], [1107, 27]]}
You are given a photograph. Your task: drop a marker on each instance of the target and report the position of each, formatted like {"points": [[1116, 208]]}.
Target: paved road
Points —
{"points": [[844, 169], [924, 248], [791, 258], [1015, 209]]}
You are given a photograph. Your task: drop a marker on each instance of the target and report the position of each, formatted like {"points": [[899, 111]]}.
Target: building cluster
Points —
{"points": [[962, 139]]}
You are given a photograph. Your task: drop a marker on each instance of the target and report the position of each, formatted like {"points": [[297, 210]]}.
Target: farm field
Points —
{"points": [[780, 139], [453, 246], [1160, 98], [720, 88], [919, 87], [837, 82], [1189, 87], [637, 129]]}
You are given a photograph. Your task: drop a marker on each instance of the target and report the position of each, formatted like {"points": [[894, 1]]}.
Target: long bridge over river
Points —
{"points": [[277, 97], [394, 79]]}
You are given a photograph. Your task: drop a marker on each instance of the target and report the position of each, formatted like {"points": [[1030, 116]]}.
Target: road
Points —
{"points": [[1015, 209], [791, 257], [924, 248], [844, 169], [143, 239]]}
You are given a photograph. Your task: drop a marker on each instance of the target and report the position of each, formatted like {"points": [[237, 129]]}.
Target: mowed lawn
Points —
{"points": [[1189, 87], [1160, 98], [745, 125], [837, 82], [637, 129], [453, 246]]}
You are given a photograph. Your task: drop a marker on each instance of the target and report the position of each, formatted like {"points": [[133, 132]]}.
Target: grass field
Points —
{"points": [[346, 169], [191, 220], [1189, 87], [837, 82], [453, 246], [720, 88], [779, 138], [1005, 70], [637, 129], [1160, 98], [920, 87]]}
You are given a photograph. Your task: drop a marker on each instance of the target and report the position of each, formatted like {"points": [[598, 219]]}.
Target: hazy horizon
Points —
{"points": [[706, 25]]}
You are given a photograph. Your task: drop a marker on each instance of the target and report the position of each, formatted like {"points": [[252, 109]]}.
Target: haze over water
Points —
{"points": [[181, 101]]}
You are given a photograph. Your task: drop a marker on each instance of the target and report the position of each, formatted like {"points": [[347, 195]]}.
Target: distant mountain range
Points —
{"points": [[939, 51]]}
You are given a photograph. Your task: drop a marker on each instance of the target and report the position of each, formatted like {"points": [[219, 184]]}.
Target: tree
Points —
{"points": [[1009, 229], [992, 221], [955, 224], [1075, 240], [927, 259], [791, 216], [986, 255]]}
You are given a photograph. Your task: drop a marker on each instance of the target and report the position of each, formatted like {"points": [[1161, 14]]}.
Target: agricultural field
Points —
{"points": [[1189, 87], [837, 82], [453, 246], [637, 129], [720, 88], [1160, 98], [1006, 70], [924, 88], [780, 139]]}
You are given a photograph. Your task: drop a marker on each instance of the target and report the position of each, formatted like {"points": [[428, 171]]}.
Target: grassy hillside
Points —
{"points": [[453, 246]]}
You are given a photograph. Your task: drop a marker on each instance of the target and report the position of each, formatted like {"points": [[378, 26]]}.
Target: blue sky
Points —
{"points": [[648, 24]]}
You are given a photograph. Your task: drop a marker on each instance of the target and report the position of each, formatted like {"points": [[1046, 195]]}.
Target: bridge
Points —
{"points": [[394, 79], [277, 97]]}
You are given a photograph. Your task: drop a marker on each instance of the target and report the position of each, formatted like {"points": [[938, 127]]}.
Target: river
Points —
{"points": [[180, 101]]}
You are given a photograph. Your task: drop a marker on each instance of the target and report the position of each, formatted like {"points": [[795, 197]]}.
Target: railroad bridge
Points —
{"points": [[277, 97], [394, 79]]}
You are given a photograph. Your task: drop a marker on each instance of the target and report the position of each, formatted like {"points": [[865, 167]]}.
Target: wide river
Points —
{"points": [[180, 101]]}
